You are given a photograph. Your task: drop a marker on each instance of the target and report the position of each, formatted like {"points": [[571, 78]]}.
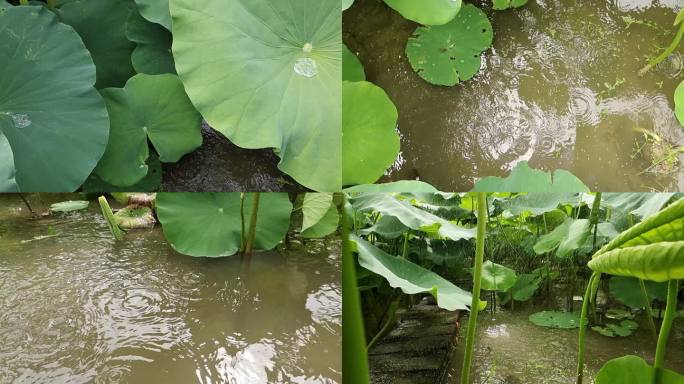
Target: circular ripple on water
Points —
{"points": [[584, 106]]}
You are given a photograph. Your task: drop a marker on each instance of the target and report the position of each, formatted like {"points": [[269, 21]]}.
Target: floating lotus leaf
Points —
{"points": [[53, 123], [346, 4], [565, 238], [102, 26], [153, 52], [69, 206], [451, 53], [409, 277], [352, 69], [628, 291], [428, 12], [370, 141], [555, 319], [156, 11], [679, 102], [152, 107], [506, 4], [267, 74], [623, 329], [397, 186], [496, 277], [634, 370], [525, 179], [210, 225]]}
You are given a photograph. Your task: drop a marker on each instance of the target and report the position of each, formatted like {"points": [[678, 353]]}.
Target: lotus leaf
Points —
{"points": [[210, 225], [135, 217], [53, 123], [537, 203], [111, 50], [352, 70], [320, 216], [409, 277], [659, 262], [150, 183], [156, 11], [152, 107], [634, 370], [388, 227], [555, 319], [325, 226], [346, 4], [496, 277], [69, 206], [640, 205], [267, 74], [4, 4], [451, 53], [370, 142], [565, 238], [679, 102], [628, 291], [153, 52], [525, 179], [506, 4], [428, 12], [525, 286], [624, 329], [412, 217], [397, 186]]}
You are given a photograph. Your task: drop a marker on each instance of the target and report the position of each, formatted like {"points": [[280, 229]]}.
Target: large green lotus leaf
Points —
{"points": [[388, 227], [102, 26], [414, 186], [409, 277], [640, 205], [525, 286], [536, 203], [428, 12], [352, 69], [267, 74], [150, 183], [628, 291], [314, 208], [152, 107], [555, 319], [346, 4], [565, 238], [152, 54], [4, 4], [657, 262], [325, 226], [53, 123], [679, 102], [525, 179], [634, 370], [156, 11], [506, 4], [496, 277], [411, 216], [210, 225], [450, 53], [370, 142]]}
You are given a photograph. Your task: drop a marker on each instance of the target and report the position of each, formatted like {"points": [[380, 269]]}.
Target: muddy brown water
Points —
{"points": [[559, 88], [78, 307]]}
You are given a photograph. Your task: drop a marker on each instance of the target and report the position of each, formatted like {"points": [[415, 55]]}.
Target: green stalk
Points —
{"points": [[252, 224], [23, 2], [583, 328], [666, 53], [354, 355], [647, 304], [665, 328], [594, 215], [391, 319], [404, 254], [242, 222], [51, 4], [109, 216], [477, 274]]}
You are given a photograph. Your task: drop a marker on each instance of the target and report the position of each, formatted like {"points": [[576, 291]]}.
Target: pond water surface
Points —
{"points": [[78, 307], [560, 88]]}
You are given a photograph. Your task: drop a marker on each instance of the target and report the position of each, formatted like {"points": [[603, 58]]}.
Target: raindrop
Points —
{"points": [[20, 120], [306, 67]]}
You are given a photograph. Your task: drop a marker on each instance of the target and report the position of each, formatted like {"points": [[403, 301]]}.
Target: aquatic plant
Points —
{"points": [[109, 217], [428, 12], [69, 206], [320, 215], [506, 4], [524, 178]]}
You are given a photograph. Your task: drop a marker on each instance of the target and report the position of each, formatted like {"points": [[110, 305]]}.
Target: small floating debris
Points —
{"points": [[69, 206]]}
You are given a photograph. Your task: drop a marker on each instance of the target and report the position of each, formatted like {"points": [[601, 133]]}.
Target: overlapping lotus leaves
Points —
{"points": [[320, 216], [53, 123], [325, 226], [450, 53], [496, 277], [412, 217], [679, 102], [396, 186], [346, 4], [210, 225], [428, 12], [555, 319], [565, 238], [152, 54], [156, 11], [634, 370], [352, 70], [659, 262], [152, 107], [536, 203], [628, 291], [506, 4], [525, 179], [525, 286], [640, 205], [150, 183], [623, 329], [370, 142], [409, 277], [388, 227], [267, 74], [111, 50]]}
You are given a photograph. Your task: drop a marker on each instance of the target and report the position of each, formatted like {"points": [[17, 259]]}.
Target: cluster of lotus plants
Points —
{"points": [[100, 92], [420, 243]]}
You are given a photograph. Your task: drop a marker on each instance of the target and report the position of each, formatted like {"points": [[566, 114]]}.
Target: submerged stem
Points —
{"points": [[477, 273], [583, 328], [647, 304], [670, 309], [109, 216], [666, 53], [252, 224]]}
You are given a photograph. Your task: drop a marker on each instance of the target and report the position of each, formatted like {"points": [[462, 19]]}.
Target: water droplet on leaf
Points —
{"points": [[306, 67], [20, 120]]}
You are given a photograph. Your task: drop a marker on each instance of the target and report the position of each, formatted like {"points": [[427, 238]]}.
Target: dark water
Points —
{"points": [[78, 307], [560, 88]]}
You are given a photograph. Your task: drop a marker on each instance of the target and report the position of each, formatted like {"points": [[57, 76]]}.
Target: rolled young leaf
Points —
{"points": [[659, 262]]}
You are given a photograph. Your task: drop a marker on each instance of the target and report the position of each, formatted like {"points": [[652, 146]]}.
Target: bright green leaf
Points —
{"points": [[325, 226], [555, 319], [496, 277], [634, 370], [314, 207], [679, 102], [413, 186], [657, 262], [525, 179], [565, 238], [153, 52], [628, 291], [69, 206], [352, 69], [506, 4], [428, 12], [156, 11], [346, 4]]}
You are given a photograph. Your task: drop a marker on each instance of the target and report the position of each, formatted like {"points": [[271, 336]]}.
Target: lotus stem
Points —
{"points": [[594, 216], [23, 2], [665, 328], [404, 254], [391, 317], [583, 328], [252, 224], [666, 53], [649, 314], [109, 216], [51, 4], [242, 223], [21, 195], [477, 274]]}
